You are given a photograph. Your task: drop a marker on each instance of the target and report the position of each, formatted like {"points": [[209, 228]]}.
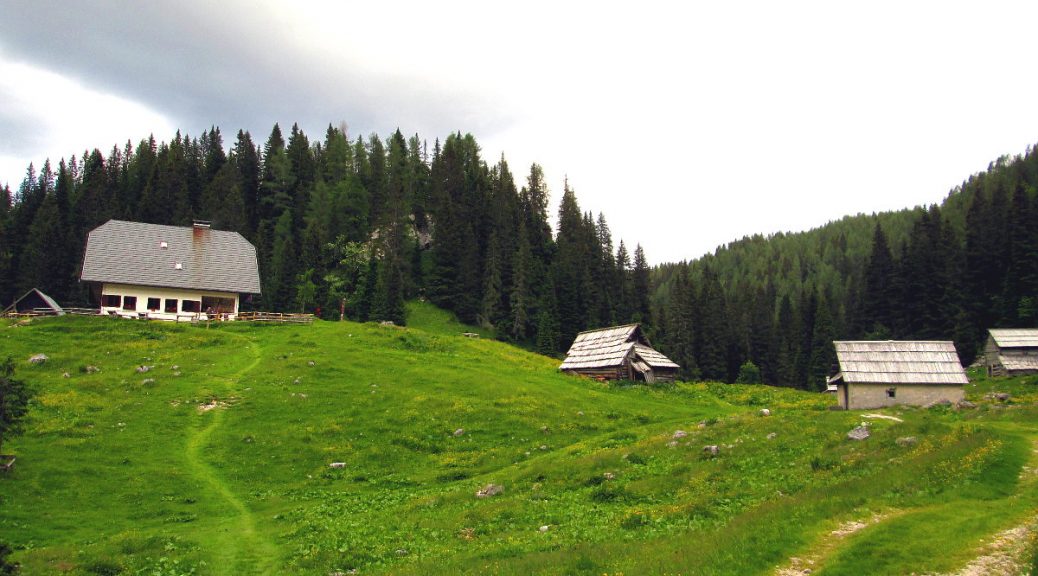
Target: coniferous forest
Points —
{"points": [[363, 225], [339, 225]]}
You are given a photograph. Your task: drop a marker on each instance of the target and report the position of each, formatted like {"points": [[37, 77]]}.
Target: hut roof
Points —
{"points": [[607, 347], [196, 258], [35, 298], [1013, 362], [1015, 337], [905, 362]]}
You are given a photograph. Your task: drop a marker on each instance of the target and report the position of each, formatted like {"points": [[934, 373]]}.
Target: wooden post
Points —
{"points": [[342, 310]]}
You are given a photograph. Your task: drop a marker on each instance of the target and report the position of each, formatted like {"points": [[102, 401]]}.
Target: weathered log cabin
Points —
{"points": [[877, 374], [34, 302], [1011, 351], [618, 353], [143, 270]]}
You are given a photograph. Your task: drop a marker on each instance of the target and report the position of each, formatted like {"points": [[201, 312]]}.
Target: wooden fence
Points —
{"points": [[276, 317]]}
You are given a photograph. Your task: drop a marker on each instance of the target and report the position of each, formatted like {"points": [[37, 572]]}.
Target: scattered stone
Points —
{"points": [[66, 375], [174, 367], [580, 413], [90, 369], [296, 381], [176, 373], [609, 475], [470, 334], [679, 434], [142, 369], [544, 429], [965, 405], [387, 323], [311, 363], [1002, 397], [764, 412], [907, 441], [401, 552], [672, 444], [772, 436], [337, 465], [701, 425], [147, 381], [459, 432], [859, 433], [544, 528], [712, 450], [543, 447], [490, 490], [38, 358]]}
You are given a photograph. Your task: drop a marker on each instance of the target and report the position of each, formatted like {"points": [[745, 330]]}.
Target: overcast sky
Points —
{"points": [[688, 124]]}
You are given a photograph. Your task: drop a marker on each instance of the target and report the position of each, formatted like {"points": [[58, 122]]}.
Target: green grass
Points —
{"points": [[123, 473]]}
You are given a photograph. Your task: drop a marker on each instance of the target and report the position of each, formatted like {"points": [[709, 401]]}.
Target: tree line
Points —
{"points": [[357, 226], [769, 308]]}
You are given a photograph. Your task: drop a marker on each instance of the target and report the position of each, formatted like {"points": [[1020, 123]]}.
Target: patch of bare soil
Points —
{"points": [[1003, 556], [806, 565]]}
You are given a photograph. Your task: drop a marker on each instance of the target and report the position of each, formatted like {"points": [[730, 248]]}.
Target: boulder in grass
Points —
{"points": [[490, 490], [965, 405], [859, 433], [678, 434], [337, 465], [142, 369], [459, 432], [906, 441], [764, 412], [711, 450], [38, 359]]}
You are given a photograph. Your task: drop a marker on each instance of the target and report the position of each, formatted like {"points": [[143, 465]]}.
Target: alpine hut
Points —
{"points": [[169, 272], [34, 302], [876, 374], [618, 353], [1011, 351]]}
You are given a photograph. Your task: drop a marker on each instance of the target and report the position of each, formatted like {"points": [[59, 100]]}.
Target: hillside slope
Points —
{"points": [[216, 461]]}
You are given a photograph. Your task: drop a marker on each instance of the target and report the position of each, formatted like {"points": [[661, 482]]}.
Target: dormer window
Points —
{"points": [[163, 244], [178, 266]]}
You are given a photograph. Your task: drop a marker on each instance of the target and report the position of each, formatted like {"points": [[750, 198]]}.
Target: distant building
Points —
{"points": [[168, 272], [35, 302], [1011, 351], [875, 374], [618, 353]]}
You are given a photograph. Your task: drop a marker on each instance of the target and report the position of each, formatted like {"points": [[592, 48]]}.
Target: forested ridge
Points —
{"points": [[360, 225], [367, 223], [943, 272]]}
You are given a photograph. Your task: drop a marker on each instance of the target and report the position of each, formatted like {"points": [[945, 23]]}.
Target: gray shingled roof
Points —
{"points": [[132, 253], [904, 362], [609, 347], [1015, 337]]}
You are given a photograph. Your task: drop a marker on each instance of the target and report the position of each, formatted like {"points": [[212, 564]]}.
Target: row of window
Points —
{"points": [[154, 304]]}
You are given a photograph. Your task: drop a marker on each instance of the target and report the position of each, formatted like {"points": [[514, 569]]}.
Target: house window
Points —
{"points": [[891, 392], [154, 304], [171, 306], [191, 306], [130, 303], [111, 300], [217, 305]]}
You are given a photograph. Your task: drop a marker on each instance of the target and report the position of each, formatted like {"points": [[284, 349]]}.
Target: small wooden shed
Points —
{"points": [[1011, 351], [875, 374], [35, 302], [618, 353]]}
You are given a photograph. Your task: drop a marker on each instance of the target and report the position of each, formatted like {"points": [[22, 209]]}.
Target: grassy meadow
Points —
{"points": [[216, 461]]}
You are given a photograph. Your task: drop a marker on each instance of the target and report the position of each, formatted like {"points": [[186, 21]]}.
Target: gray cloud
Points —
{"points": [[228, 64]]}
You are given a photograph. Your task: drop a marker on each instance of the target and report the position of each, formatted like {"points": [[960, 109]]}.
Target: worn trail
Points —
{"points": [[242, 548]]}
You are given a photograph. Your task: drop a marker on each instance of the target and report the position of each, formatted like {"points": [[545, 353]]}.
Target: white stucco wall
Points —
{"points": [[144, 292]]}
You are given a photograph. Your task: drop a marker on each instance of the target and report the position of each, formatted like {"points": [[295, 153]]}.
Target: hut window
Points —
{"points": [[191, 306], [154, 304], [891, 392], [171, 305], [111, 300], [130, 303]]}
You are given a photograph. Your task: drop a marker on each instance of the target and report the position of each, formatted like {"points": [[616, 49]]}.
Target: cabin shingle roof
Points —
{"points": [[1015, 337], [608, 347], [898, 362], [148, 254]]}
